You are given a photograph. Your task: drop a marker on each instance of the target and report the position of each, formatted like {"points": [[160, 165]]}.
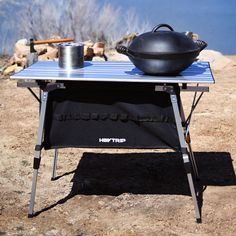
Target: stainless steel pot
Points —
{"points": [[71, 55], [162, 52]]}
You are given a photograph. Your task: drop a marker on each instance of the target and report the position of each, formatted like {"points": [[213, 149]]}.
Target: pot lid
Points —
{"points": [[163, 41]]}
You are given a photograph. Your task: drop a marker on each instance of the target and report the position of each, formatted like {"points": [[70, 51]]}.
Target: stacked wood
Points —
{"points": [[99, 50], [127, 39], [92, 50], [20, 57]]}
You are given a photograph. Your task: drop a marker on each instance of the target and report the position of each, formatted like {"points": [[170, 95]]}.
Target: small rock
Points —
{"points": [[53, 232], [101, 203]]}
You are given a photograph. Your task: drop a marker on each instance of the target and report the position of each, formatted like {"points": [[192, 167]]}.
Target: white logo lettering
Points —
{"points": [[111, 140]]}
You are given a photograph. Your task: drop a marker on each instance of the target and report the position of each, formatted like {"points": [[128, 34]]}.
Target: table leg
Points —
{"points": [[187, 166], [193, 161], [185, 155], [38, 148], [187, 138], [54, 164]]}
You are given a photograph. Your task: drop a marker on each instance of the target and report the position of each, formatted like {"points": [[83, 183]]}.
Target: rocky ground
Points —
{"points": [[120, 192]]}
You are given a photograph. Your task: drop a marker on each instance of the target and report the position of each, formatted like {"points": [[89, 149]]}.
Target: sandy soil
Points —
{"points": [[119, 192]]}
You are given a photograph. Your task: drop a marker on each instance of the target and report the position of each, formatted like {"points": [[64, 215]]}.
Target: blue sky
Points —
{"points": [[213, 20]]}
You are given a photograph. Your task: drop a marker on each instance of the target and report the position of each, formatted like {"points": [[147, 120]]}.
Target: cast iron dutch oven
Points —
{"points": [[162, 52]]}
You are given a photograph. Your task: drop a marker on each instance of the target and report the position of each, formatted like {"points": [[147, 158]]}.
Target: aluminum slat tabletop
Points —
{"points": [[111, 71]]}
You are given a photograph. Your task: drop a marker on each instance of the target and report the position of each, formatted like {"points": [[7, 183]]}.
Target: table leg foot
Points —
{"points": [[33, 192], [30, 215], [199, 220]]}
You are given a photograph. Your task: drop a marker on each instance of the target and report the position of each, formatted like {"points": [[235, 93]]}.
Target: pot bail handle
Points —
{"points": [[201, 44], [122, 49], [160, 26]]}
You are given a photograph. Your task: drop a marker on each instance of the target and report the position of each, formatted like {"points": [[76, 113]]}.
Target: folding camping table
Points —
{"points": [[49, 77]]}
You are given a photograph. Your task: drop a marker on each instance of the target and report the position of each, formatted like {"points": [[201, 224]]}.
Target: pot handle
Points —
{"points": [[201, 44], [122, 49], [162, 25]]}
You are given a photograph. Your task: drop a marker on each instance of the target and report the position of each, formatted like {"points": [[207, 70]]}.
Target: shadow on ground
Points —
{"points": [[146, 173]]}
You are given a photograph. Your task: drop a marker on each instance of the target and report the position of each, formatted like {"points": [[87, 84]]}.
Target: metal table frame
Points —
{"points": [[166, 85]]}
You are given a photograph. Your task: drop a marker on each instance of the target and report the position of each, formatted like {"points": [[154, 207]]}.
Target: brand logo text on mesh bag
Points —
{"points": [[111, 140]]}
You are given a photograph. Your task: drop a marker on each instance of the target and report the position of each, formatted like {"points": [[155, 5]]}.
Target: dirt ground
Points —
{"points": [[119, 192]]}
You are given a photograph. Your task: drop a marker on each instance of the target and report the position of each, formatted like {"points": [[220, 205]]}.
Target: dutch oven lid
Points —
{"points": [[163, 42]]}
